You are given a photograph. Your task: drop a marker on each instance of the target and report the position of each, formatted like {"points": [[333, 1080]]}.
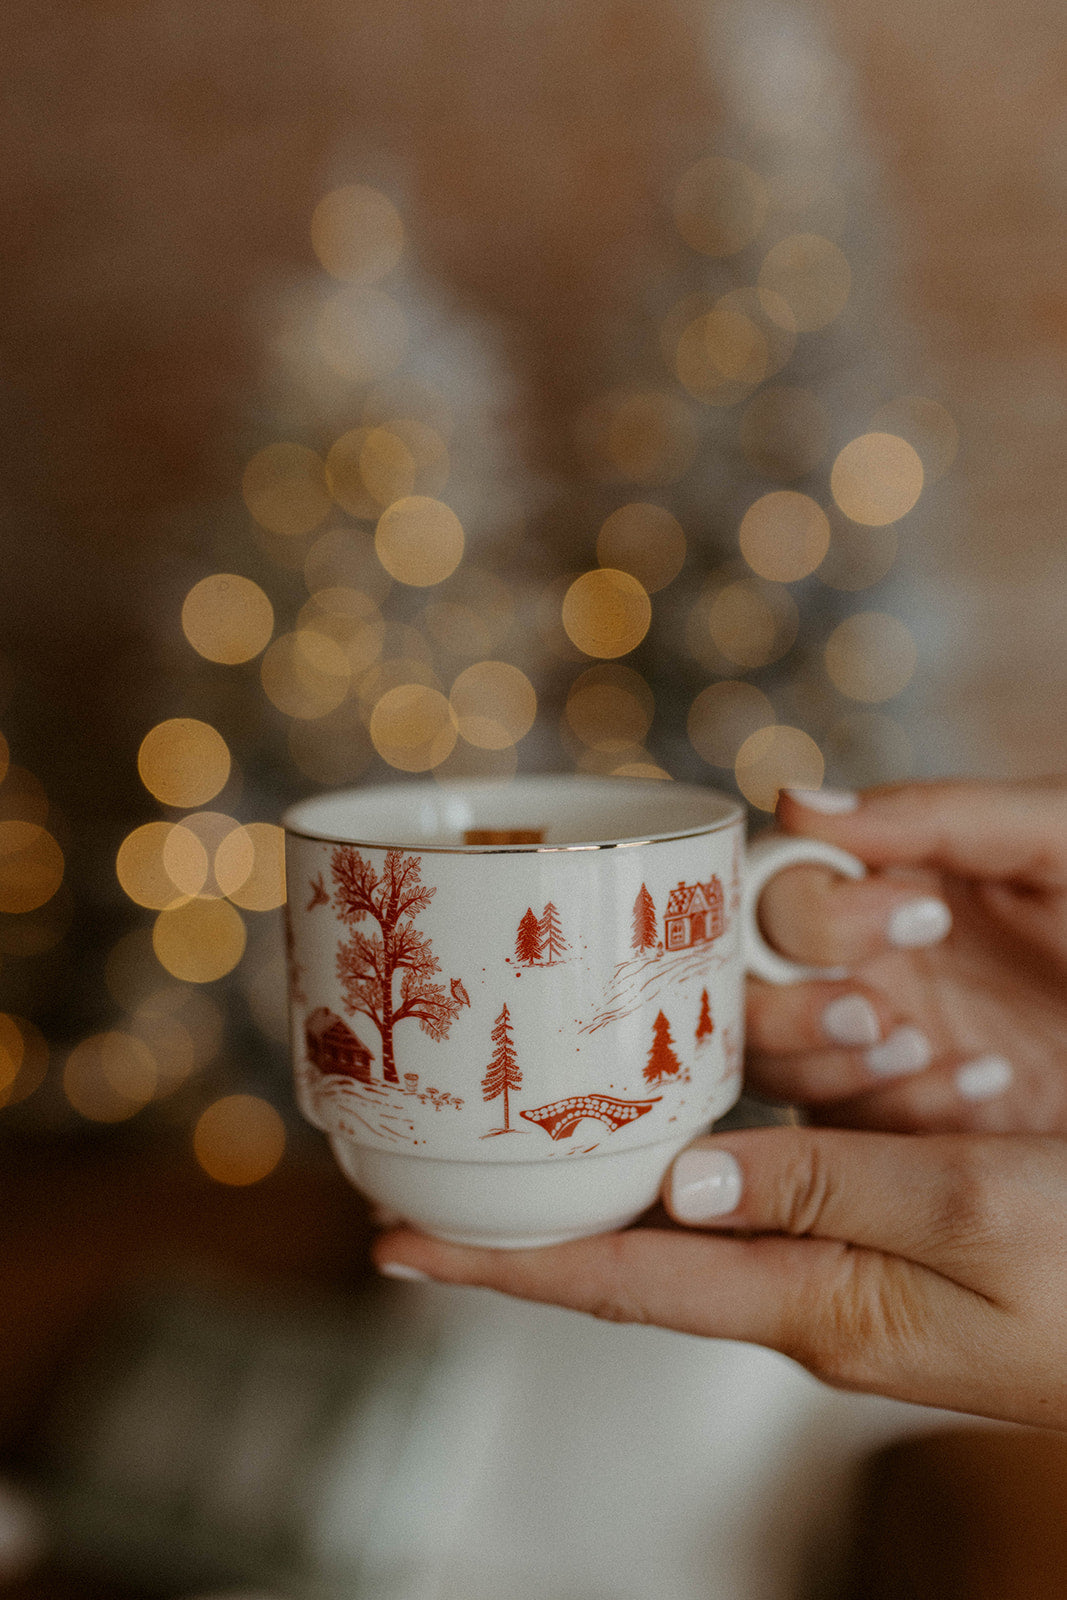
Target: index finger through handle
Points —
{"points": [[763, 860]]}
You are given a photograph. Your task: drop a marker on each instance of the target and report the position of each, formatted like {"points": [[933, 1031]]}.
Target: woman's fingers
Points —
{"points": [[1011, 832], [816, 917], [783, 1018], [828, 1077], [958, 1094]]}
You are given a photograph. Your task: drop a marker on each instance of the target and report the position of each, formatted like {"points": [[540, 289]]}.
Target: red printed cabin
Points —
{"points": [[333, 1047], [694, 915]]}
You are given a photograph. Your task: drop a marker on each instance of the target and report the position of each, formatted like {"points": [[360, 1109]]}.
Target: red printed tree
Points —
{"points": [[553, 943], [369, 962], [705, 1026], [662, 1061], [502, 1074], [528, 941], [644, 923]]}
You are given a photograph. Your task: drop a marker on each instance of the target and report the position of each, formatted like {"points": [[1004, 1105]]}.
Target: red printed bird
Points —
{"points": [[459, 993]]}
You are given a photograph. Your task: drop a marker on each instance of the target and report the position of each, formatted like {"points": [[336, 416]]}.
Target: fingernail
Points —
{"points": [[400, 1269], [906, 1050], [830, 801], [851, 1019], [919, 922], [704, 1183], [984, 1078]]}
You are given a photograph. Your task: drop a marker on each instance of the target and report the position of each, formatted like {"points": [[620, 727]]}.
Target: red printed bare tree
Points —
{"points": [[705, 1026], [644, 923], [553, 943], [502, 1074], [528, 941], [662, 1061], [369, 962]]}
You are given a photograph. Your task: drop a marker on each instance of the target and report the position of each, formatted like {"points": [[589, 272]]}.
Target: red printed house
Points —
{"points": [[694, 915], [333, 1047]]}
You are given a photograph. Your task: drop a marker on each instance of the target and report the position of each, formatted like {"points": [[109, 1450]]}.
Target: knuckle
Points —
{"points": [[972, 1206], [805, 1187], [864, 1321]]}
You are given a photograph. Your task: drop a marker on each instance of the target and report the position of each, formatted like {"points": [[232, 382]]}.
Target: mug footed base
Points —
{"points": [[500, 1205]]}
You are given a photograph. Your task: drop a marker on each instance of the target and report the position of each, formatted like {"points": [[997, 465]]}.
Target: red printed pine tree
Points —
{"points": [[553, 943], [705, 1026], [662, 1061], [528, 941], [502, 1074], [368, 963], [644, 923]]}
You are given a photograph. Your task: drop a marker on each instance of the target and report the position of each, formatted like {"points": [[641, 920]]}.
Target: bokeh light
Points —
{"points": [[31, 866], [402, 459], [784, 432], [720, 206], [644, 436], [413, 727], [344, 475], [110, 1076], [419, 540], [784, 535], [723, 716], [160, 864], [227, 618], [494, 704], [305, 673], [876, 479], [23, 1059], [486, 767], [606, 613], [809, 275], [871, 656], [183, 762], [346, 558], [284, 488], [22, 796], [199, 941], [357, 234], [644, 540], [927, 426], [250, 866], [775, 758], [750, 622], [609, 708], [362, 334], [722, 354], [239, 1139], [351, 619]]}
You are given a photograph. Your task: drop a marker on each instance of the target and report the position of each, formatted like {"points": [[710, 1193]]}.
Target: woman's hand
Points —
{"points": [[932, 1270], [934, 1030]]}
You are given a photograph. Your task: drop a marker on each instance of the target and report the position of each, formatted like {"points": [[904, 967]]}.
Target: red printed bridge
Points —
{"points": [[560, 1119]]}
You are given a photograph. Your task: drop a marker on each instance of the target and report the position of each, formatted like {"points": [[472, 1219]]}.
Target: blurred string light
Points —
{"points": [[720, 206], [23, 1059], [774, 758], [227, 618], [722, 352], [784, 535], [871, 656], [876, 479], [239, 1139], [746, 622], [200, 940], [419, 540], [285, 489], [640, 436], [494, 705], [357, 234], [609, 708], [723, 716], [644, 540], [413, 727], [810, 277], [305, 673], [183, 762], [110, 1076], [31, 866], [606, 612]]}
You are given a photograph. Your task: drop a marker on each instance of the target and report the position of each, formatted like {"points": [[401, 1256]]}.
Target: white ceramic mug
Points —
{"points": [[512, 1006]]}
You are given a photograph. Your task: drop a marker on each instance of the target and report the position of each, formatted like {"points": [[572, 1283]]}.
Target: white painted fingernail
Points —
{"points": [[984, 1078], [400, 1269], [830, 801], [704, 1183], [919, 922], [851, 1019], [906, 1050]]}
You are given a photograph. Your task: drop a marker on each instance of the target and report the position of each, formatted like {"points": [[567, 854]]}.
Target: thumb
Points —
{"points": [[986, 830]]}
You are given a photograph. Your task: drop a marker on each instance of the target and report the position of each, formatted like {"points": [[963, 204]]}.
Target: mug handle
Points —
{"points": [[763, 859]]}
